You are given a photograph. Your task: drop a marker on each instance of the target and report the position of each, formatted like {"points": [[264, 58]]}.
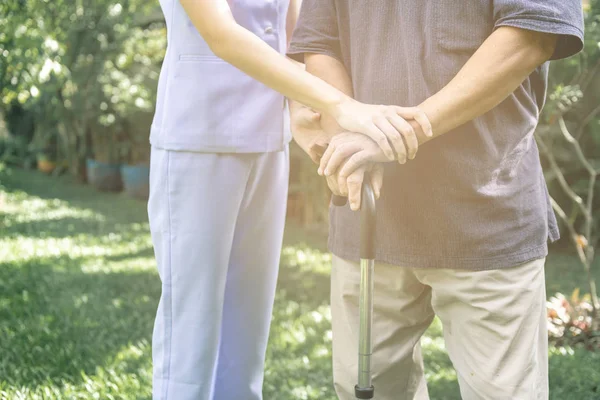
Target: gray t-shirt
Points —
{"points": [[474, 198]]}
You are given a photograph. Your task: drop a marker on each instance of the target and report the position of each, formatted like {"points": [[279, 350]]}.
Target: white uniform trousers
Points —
{"points": [[217, 226]]}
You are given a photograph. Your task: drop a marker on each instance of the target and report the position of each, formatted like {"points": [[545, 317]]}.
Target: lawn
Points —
{"points": [[78, 291]]}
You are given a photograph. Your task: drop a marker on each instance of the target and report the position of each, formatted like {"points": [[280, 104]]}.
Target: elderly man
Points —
{"points": [[463, 228]]}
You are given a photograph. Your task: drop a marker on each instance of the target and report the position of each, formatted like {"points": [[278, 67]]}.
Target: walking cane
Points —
{"points": [[364, 389]]}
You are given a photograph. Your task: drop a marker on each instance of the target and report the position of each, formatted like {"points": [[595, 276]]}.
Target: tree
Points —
{"points": [[82, 67], [569, 140]]}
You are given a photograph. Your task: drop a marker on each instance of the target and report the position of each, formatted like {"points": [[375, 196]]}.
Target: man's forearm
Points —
{"points": [[292, 18], [496, 70], [313, 138], [333, 72]]}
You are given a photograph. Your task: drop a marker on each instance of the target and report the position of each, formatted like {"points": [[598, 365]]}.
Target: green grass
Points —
{"points": [[78, 292]]}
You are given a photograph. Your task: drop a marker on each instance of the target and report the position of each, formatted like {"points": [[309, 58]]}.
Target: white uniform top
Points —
{"points": [[205, 104]]}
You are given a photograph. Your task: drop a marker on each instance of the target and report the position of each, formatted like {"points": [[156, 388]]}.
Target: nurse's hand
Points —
{"points": [[386, 125]]}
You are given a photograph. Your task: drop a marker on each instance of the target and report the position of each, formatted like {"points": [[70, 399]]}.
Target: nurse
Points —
{"points": [[219, 176]]}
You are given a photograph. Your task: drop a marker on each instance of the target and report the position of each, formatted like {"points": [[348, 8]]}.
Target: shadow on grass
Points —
{"points": [[48, 228], [147, 252], [57, 321], [115, 208], [299, 356]]}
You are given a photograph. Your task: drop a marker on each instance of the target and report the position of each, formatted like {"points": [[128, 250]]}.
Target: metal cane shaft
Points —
{"points": [[365, 344], [364, 389]]}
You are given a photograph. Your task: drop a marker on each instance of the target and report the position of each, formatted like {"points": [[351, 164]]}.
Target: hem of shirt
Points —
{"points": [[210, 145], [296, 53], [458, 263], [553, 235], [537, 24]]}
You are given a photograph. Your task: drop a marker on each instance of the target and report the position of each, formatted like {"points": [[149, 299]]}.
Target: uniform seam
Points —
{"points": [[168, 68], [168, 329]]}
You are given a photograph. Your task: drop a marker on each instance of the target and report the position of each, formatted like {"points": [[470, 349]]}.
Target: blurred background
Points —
{"points": [[78, 288]]}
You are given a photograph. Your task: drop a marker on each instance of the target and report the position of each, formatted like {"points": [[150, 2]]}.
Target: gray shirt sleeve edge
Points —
{"points": [[569, 43], [297, 51]]}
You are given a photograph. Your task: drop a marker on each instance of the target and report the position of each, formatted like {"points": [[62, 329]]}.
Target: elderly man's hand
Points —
{"points": [[352, 185], [348, 152], [307, 131]]}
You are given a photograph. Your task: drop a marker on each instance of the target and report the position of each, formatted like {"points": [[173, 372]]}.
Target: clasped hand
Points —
{"points": [[345, 157]]}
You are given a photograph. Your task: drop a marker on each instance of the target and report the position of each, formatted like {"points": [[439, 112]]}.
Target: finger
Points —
{"points": [[355, 162], [355, 181], [339, 156], [394, 136], [376, 176], [314, 156], [333, 186], [418, 115], [326, 156], [408, 134], [317, 149], [381, 139], [343, 184]]}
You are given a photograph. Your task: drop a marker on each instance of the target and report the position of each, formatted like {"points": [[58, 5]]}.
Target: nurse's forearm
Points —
{"points": [[497, 68], [246, 51]]}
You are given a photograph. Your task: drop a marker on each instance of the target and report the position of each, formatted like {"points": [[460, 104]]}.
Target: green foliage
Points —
{"points": [[570, 321], [569, 139], [78, 293], [309, 195], [574, 374], [81, 67], [575, 95]]}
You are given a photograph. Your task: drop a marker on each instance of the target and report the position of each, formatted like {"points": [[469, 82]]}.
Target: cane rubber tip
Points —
{"points": [[364, 393]]}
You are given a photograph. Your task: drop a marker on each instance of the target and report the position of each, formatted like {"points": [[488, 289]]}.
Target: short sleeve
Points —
{"points": [[560, 17], [316, 31]]}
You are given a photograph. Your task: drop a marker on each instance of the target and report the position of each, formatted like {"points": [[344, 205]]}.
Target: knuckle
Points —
{"points": [[390, 112], [382, 140], [396, 138], [337, 149], [346, 151], [407, 130], [354, 180], [354, 161]]}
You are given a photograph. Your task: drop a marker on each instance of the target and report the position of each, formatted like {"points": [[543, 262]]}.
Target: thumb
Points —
{"points": [[308, 118]]}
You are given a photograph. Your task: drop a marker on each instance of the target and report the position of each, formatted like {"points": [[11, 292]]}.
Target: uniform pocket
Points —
{"points": [[462, 26], [205, 96]]}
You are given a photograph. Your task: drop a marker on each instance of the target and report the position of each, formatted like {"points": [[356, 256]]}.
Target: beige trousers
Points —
{"points": [[494, 329]]}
